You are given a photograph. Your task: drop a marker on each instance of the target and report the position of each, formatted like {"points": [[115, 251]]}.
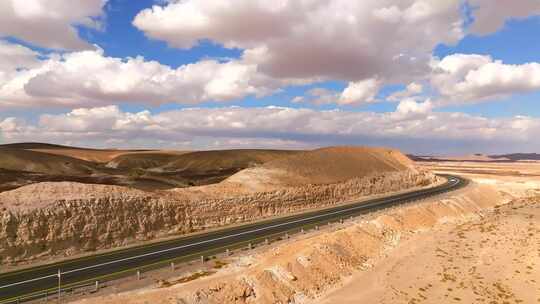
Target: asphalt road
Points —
{"points": [[22, 283]]}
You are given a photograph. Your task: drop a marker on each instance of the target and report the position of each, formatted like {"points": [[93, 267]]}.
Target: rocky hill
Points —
{"points": [[62, 219], [323, 166]]}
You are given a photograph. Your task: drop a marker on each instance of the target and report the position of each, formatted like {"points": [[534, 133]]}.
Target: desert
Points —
{"points": [[479, 244], [269, 152], [55, 219]]}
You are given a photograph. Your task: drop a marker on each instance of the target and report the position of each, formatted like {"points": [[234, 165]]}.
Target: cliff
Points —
{"points": [[112, 216]]}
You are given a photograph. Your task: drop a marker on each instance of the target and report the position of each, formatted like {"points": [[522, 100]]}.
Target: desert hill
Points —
{"points": [[87, 154], [28, 163], [96, 156], [34, 161], [144, 160], [517, 156], [57, 217], [35, 145], [323, 166], [222, 160]]}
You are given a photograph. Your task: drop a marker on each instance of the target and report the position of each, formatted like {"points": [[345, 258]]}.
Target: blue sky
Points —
{"points": [[84, 85]]}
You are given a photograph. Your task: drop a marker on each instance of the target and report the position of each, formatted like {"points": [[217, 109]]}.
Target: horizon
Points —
{"points": [[190, 75], [280, 149]]}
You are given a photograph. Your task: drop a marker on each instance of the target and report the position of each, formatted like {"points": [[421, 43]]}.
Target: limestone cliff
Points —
{"points": [[49, 220]]}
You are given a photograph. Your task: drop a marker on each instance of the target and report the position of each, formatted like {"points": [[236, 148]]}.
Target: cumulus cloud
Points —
{"points": [[49, 23], [87, 78], [413, 127], [412, 89], [465, 78], [360, 92], [365, 43], [318, 96], [356, 93], [336, 39], [14, 57], [490, 17], [409, 108]]}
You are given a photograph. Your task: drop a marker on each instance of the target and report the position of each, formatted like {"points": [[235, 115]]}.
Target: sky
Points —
{"points": [[427, 77]]}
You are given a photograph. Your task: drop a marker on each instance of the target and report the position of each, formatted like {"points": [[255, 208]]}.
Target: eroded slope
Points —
{"points": [[59, 219]]}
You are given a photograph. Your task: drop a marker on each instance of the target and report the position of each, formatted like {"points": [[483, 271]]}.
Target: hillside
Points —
{"points": [[35, 145], [224, 160], [288, 182], [96, 156], [150, 170], [87, 154], [517, 156], [33, 161], [144, 160], [323, 166]]}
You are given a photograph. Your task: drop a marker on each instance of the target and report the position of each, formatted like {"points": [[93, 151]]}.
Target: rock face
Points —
{"points": [[69, 218]]}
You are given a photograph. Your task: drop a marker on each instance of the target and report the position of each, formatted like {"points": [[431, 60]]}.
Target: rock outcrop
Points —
{"points": [[99, 217], [49, 220]]}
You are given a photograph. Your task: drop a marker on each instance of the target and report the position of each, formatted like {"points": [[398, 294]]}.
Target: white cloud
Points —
{"points": [[49, 23], [14, 57], [413, 127], [411, 109], [321, 39], [360, 92], [412, 89], [366, 44], [356, 93], [352, 41], [318, 96], [490, 16], [461, 78], [88, 78]]}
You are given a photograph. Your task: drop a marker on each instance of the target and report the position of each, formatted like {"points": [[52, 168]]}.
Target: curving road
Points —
{"points": [[32, 282]]}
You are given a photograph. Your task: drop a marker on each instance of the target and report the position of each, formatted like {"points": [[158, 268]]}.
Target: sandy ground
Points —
{"points": [[492, 260]]}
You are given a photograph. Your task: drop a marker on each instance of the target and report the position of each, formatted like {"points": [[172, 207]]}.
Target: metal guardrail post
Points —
{"points": [[59, 285]]}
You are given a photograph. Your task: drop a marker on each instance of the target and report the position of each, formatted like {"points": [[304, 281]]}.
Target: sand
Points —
{"points": [[491, 260], [494, 259]]}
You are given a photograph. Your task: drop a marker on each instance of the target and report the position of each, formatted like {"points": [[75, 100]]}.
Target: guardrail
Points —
{"points": [[96, 283]]}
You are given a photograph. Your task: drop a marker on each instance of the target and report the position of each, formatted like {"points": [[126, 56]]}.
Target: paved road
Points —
{"points": [[122, 262]]}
